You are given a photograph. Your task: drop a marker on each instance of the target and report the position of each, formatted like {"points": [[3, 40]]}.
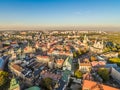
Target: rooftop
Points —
{"points": [[60, 61], [17, 67], [91, 85], [85, 64], [1, 63], [33, 88], [65, 75], [45, 74], [14, 85]]}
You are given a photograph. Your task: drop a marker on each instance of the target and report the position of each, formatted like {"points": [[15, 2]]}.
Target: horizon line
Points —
{"points": [[58, 27]]}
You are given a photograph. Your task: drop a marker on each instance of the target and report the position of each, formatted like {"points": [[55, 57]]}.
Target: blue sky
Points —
{"points": [[83, 12]]}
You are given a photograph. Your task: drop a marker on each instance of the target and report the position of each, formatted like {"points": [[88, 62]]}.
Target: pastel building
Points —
{"points": [[67, 65], [98, 63], [115, 74], [44, 59], [97, 47], [91, 85], [29, 49], [51, 64], [85, 67], [46, 74], [59, 63], [16, 69]]}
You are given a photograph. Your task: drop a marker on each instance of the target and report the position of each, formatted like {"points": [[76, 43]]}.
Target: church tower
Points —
{"points": [[85, 39]]}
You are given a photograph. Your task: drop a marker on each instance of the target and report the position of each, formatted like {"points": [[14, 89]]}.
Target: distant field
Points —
{"points": [[110, 36]]}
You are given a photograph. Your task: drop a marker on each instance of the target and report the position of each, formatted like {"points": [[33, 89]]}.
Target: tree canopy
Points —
{"points": [[3, 77], [47, 83], [104, 73], [115, 60], [78, 74], [119, 54]]}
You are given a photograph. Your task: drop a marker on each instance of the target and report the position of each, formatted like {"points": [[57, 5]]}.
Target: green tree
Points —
{"points": [[76, 66], [3, 77], [104, 73], [78, 74], [47, 83], [119, 54], [79, 52], [114, 49], [74, 54], [107, 49], [115, 60], [118, 46]]}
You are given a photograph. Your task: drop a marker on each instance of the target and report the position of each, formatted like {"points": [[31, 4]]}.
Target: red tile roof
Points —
{"points": [[17, 67], [85, 64], [91, 85], [53, 76], [96, 63], [60, 61]]}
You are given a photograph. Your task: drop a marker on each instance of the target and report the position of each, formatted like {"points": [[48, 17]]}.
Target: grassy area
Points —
{"points": [[114, 37]]}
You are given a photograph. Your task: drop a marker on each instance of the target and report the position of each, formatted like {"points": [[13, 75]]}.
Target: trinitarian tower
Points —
{"points": [[85, 39]]}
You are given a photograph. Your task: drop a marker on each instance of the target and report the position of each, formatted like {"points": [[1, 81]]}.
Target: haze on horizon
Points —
{"points": [[59, 14]]}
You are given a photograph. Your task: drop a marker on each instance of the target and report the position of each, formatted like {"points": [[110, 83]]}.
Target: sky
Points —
{"points": [[60, 12]]}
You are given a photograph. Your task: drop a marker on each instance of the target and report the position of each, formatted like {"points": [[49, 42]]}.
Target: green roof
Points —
{"points": [[70, 60], [65, 75], [33, 88], [14, 84]]}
